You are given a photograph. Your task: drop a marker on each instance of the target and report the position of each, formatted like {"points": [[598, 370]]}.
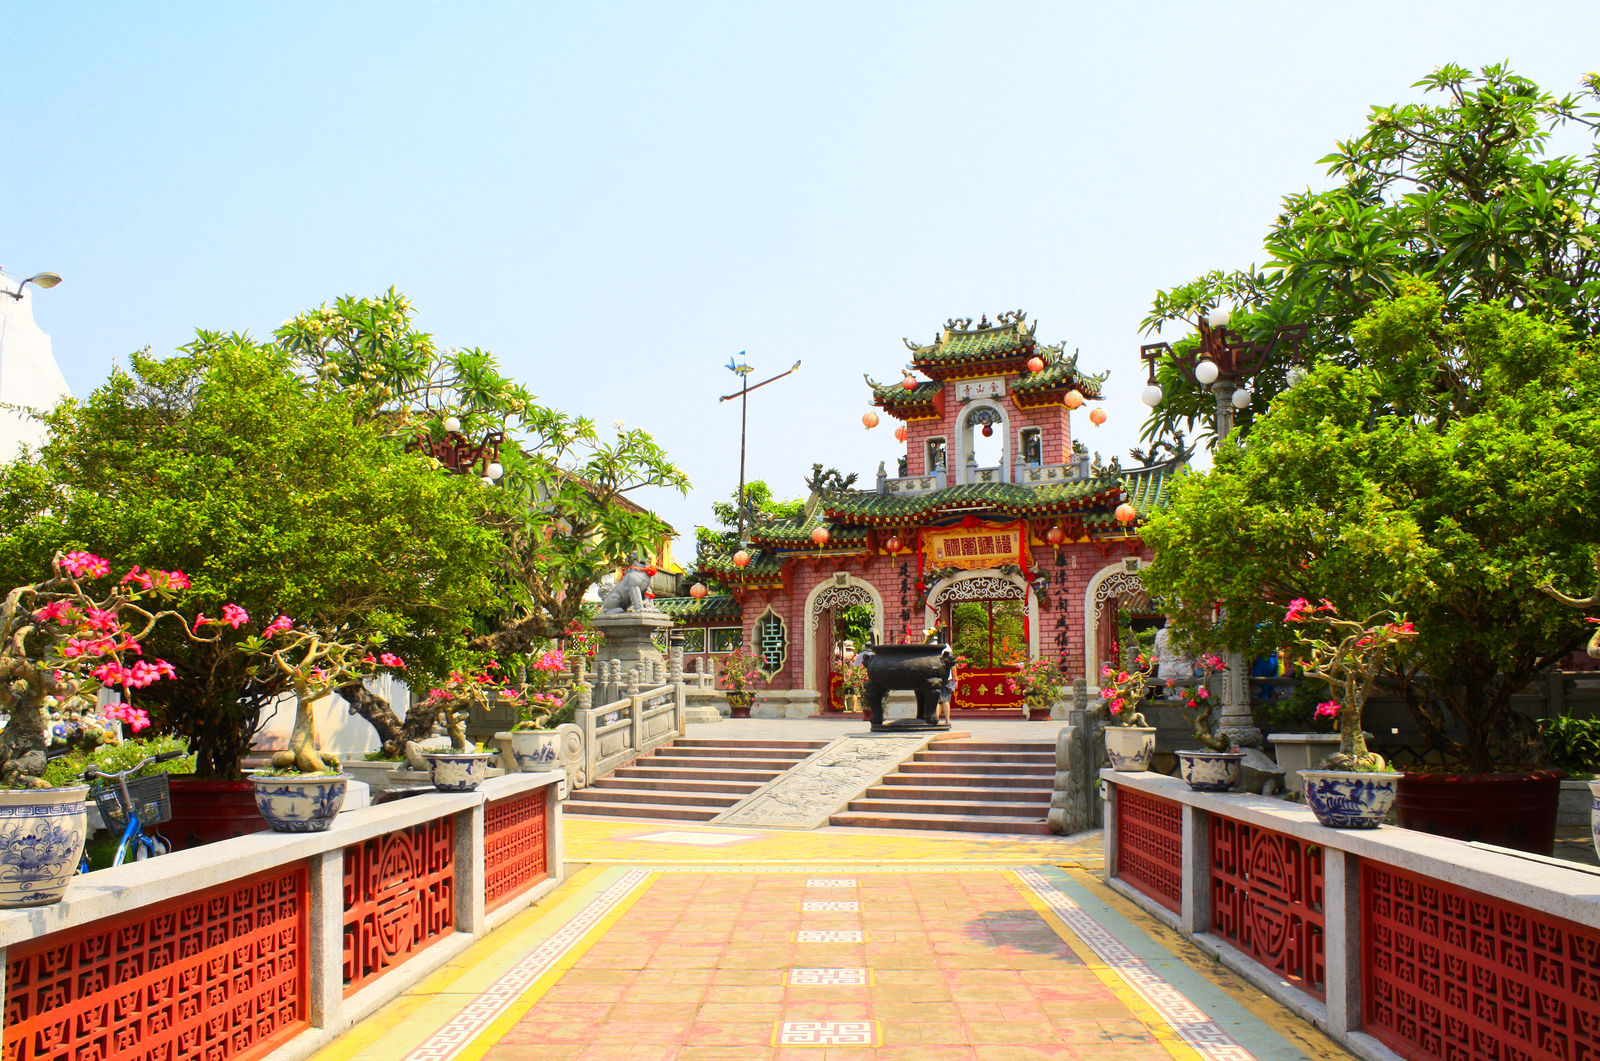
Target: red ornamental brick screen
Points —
{"points": [[1150, 845], [399, 897], [218, 975], [1267, 900], [1454, 974], [513, 847]]}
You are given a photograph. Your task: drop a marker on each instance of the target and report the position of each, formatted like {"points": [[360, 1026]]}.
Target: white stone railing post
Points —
{"points": [[1341, 951], [325, 938], [1196, 913], [470, 871]]}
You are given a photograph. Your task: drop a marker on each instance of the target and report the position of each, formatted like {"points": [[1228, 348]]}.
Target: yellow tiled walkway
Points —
{"points": [[676, 943]]}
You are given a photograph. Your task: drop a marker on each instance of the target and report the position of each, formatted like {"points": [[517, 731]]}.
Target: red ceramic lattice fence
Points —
{"points": [[399, 897], [218, 975], [1267, 900], [513, 847], [1455, 974], [1150, 845]]}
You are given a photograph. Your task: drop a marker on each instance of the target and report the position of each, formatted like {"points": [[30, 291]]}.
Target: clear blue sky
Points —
{"points": [[615, 198]]}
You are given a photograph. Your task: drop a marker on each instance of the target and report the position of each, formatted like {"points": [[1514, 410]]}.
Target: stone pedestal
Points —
{"points": [[628, 637]]}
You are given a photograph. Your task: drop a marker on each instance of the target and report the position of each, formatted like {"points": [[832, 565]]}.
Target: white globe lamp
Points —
{"points": [[1206, 372], [1241, 398], [1218, 318], [1151, 395], [451, 424]]}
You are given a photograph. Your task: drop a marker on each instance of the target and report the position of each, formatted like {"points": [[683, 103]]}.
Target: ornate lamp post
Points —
{"points": [[460, 456], [1224, 363], [44, 280], [743, 370]]}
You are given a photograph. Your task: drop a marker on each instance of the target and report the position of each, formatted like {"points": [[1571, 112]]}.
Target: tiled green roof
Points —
{"points": [[795, 533], [983, 343], [895, 395], [1060, 373], [871, 507], [711, 606], [763, 566], [1144, 488]]}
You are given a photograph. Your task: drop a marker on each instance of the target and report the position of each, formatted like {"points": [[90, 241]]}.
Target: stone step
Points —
{"points": [[644, 810], [790, 755], [954, 794], [950, 756], [703, 773], [951, 822], [964, 780], [686, 798], [696, 784], [771, 766], [708, 742], [1040, 746], [978, 766], [916, 806]]}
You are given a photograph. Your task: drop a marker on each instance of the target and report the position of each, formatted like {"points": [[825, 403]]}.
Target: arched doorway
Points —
{"points": [[1115, 588], [990, 621], [844, 608]]}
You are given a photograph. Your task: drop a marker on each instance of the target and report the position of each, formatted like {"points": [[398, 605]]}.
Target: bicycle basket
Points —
{"points": [[151, 797]]}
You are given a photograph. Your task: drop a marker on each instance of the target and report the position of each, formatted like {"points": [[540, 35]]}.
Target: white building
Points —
{"points": [[29, 374]]}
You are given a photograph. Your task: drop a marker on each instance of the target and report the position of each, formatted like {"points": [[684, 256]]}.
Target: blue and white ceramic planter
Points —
{"points": [[41, 840], [300, 803], [459, 771], [1594, 813], [535, 750], [1350, 799], [1209, 771], [1129, 748]]}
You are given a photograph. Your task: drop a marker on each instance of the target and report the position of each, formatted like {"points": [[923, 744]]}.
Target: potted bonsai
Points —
{"points": [[1352, 789], [852, 684], [60, 644], [739, 672], [1581, 741], [1038, 682], [304, 788], [1215, 767], [1130, 742], [535, 743]]}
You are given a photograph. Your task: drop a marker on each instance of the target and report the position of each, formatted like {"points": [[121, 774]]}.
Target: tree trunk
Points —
{"points": [[22, 744], [393, 732]]}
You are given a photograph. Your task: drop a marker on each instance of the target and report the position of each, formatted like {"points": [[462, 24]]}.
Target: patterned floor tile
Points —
{"points": [[826, 1033], [829, 976], [830, 935]]}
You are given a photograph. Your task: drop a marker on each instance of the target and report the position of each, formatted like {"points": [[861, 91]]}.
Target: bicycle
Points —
{"points": [[131, 806]]}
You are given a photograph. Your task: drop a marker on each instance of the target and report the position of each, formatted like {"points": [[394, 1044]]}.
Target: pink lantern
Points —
{"points": [[698, 591], [1036, 364], [741, 558], [1073, 399], [900, 433], [820, 535], [869, 420], [1126, 513], [909, 383], [1097, 417]]}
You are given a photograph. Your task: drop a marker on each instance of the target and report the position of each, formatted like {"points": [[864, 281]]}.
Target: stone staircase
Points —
{"points": [[691, 779], [963, 785]]}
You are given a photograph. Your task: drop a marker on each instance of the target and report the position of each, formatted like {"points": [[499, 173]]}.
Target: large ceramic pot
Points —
{"points": [[1594, 814], [739, 703], [536, 750], [299, 803], [1507, 810], [1129, 748], [1209, 771], [458, 771], [1349, 799], [204, 812], [41, 840]]}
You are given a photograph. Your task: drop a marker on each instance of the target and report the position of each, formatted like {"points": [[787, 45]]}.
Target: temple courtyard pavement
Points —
{"points": [[683, 941]]}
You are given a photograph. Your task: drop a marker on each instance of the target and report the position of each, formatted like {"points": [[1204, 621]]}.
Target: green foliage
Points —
{"points": [[854, 624], [1453, 469], [740, 669], [271, 492], [1573, 743], [66, 770], [1458, 190], [971, 638], [760, 504], [1295, 713]]}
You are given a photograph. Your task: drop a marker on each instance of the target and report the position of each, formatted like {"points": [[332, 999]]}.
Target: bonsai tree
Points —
{"points": [[1197, 705], [1037, 681], [1349, 655], [60, 643], [1125, 683], [740, 669], [314, 664]]}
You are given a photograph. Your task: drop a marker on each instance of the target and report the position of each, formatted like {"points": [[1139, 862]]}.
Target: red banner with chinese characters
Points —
{"points": [[976, 547]]}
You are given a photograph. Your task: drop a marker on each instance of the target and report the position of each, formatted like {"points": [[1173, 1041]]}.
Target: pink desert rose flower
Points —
{"points": [[389, 659], [1327, 709], [234, 616], [79, 564], [277, 626], [142, 579], [1297, 609]]}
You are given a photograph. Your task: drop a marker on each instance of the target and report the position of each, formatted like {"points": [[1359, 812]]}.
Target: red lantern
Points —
{"points": [[893, 544], [909, 384], [988, 429], [820, 535], [698, 591], [1097, 417], [1054, 535], [1126, 513], [869, 420], [900, 433], [1036, 364], [1073, 399], [741, 558]]}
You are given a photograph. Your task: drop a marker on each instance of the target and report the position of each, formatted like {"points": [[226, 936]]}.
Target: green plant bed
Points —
{"points": [[101, 849]]}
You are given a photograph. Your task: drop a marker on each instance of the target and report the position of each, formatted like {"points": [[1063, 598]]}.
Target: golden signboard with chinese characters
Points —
{"points": [[973, 548]]}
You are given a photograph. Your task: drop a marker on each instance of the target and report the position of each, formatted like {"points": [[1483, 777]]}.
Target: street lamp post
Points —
{"points": [[43, 280], [1224, 363], [743, 370], [458, 454]]}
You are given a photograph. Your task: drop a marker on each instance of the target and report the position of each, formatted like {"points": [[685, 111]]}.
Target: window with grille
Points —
{"points": [[772, 642]]}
